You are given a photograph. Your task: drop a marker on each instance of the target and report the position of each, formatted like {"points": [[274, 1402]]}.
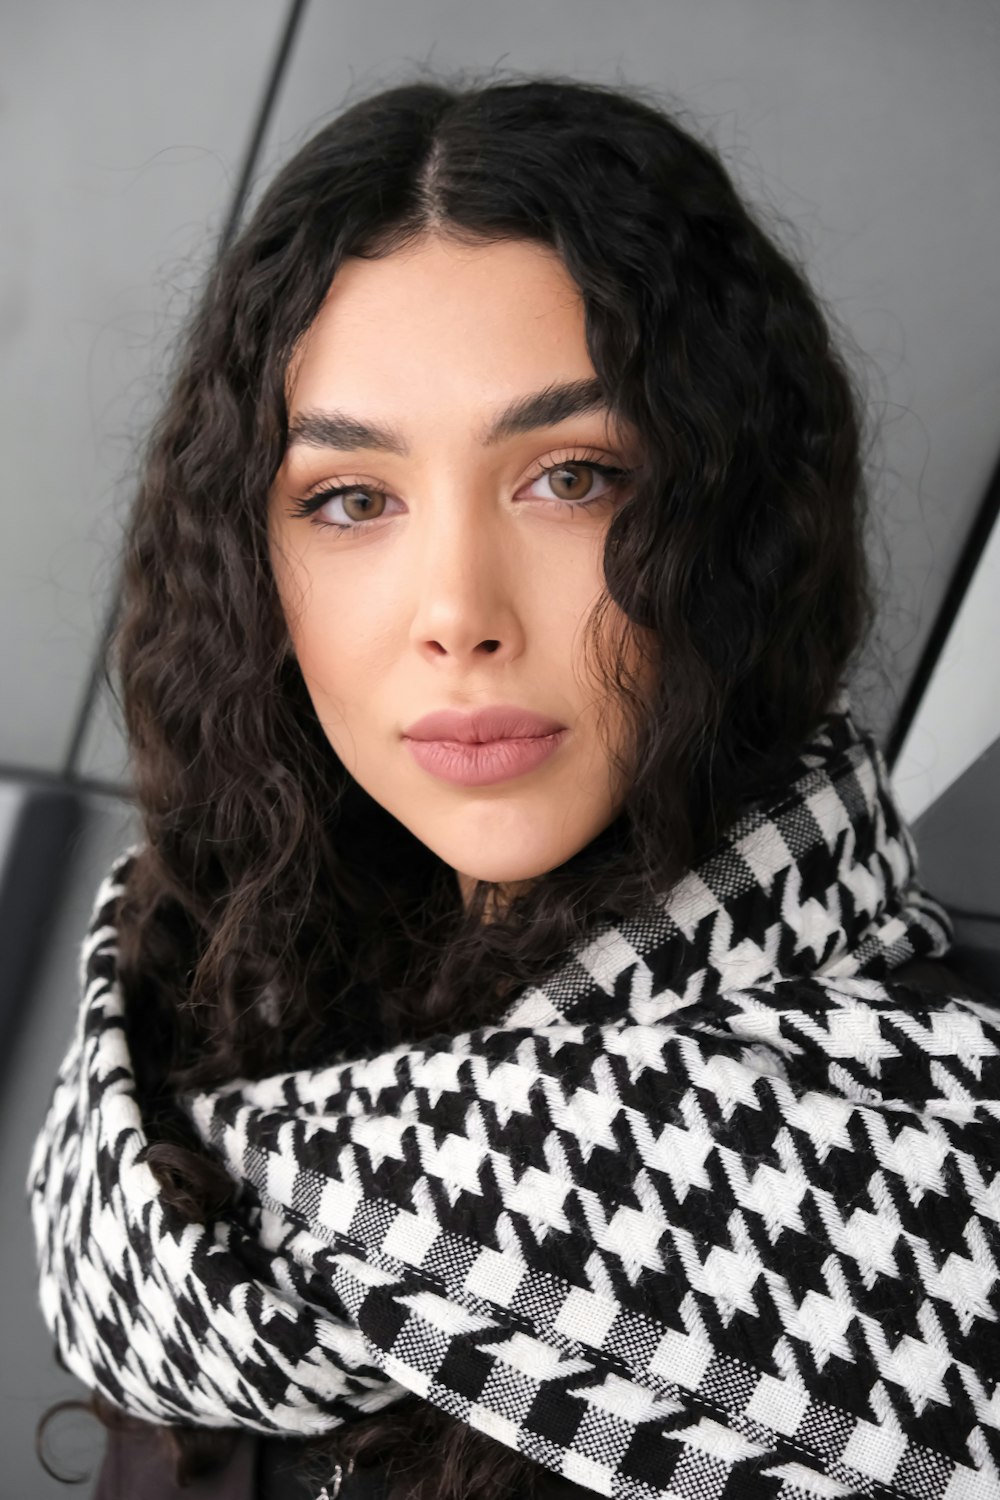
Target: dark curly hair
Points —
{"points": [[277, 912]]}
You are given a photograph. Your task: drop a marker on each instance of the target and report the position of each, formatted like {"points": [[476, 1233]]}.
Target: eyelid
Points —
{"points": [[359, 481], [577, 453]]}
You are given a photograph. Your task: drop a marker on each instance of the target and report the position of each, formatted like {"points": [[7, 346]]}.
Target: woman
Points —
{"points": [[515, 1059]]}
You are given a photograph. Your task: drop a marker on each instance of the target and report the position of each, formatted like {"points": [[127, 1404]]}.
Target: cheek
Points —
{"points": [[571, 602], [570, 572], [338, 636], [332, 655], [338, 679]]}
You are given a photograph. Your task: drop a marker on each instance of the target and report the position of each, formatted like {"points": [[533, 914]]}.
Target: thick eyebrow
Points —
{"points": [[544, 408]]}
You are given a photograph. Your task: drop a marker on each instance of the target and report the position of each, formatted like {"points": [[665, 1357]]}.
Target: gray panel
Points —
{"points": [[959, 843], [38, 823], [124, 130], [874, 128], [30, 1379]]}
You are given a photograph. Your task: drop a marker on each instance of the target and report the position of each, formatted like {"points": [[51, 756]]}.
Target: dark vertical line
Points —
{"points": [[296, 10], [964, 571], [251, 156]]}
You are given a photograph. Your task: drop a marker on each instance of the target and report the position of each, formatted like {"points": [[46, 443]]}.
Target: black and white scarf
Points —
{"points": [[713, 1212]]}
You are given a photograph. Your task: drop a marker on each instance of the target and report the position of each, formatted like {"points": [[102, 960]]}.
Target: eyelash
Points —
{"points": [[308, 505]]}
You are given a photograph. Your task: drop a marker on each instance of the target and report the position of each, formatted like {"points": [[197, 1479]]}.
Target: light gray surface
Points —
{"points": [[122, 130], [30, 1380]]}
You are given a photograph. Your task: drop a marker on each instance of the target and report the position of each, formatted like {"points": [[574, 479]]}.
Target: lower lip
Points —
{"points": [[482, 765]]}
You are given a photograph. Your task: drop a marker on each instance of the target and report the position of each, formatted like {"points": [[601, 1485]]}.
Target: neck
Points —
{"points": [[499, 896]]}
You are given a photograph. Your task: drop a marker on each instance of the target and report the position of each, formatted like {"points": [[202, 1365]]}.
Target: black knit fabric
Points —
{"points": [[712, 1212]]}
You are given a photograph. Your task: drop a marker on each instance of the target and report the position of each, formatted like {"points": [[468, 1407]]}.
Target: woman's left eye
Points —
{"points": [[577, 487]]}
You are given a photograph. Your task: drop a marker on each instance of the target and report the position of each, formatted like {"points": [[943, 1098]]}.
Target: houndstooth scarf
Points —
{"points": [[712, 1212]]}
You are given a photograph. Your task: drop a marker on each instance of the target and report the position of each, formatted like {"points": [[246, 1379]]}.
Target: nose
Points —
{"points": [[467, 600]]}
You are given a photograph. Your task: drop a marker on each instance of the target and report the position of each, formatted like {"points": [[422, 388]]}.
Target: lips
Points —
{"points": [[485, 746], [483, 725]]}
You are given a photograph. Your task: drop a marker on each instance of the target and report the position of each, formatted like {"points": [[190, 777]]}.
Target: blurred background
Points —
{"points": [[132, 139]]}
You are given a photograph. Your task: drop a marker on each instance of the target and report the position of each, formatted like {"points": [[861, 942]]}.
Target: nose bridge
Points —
{"points": [[463, 584]]}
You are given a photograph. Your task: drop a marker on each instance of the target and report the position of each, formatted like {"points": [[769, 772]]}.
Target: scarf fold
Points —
{"points": [[714, 1210]]}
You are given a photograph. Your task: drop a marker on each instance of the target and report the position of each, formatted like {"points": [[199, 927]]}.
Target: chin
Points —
{"points": [[503, 843], [502, 861], [508, 873]]}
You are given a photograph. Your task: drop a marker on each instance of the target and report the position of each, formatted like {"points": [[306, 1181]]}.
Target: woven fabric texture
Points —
{"points": [[713, 1211]]}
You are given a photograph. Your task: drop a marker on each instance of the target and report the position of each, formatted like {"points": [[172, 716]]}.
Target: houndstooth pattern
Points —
{"points": [[712, 1212]]}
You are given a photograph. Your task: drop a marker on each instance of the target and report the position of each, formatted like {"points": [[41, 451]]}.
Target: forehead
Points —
{"points": [[442, 317]]}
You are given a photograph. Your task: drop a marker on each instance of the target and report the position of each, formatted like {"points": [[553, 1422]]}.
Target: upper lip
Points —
{"points": [[501, 721]]}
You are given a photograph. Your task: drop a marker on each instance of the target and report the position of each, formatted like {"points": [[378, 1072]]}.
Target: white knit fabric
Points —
{"points": [[712, 1212]]}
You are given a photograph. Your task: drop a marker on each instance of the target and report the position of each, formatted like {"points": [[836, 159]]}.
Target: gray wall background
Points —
{"points": [[871, 127]]}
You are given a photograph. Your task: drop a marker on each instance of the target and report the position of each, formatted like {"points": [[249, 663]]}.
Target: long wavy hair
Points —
{"points": [[277, 913]]}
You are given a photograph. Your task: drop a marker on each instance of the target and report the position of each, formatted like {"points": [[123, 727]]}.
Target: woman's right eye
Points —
{"points": [[353, 498]]}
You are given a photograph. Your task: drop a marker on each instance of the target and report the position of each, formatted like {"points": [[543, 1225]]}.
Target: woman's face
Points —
{"points": [[465, 573]]}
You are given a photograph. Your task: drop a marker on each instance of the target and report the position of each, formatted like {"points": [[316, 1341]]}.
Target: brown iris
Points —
{"points": [[369, 504], [584, 473]]}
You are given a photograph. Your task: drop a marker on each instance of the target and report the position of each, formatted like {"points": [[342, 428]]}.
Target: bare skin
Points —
{"points": [[469, 573]]}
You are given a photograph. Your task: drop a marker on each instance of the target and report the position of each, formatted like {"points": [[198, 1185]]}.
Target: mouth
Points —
{"points": [[486, 763], [484, 725]]}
